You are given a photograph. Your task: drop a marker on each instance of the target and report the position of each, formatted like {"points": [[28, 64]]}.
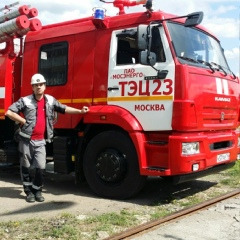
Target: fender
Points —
{"points": [[124, 119], [112, 115]]}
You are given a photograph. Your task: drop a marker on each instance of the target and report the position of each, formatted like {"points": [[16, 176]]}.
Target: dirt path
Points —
{"points": [[63, 196]]}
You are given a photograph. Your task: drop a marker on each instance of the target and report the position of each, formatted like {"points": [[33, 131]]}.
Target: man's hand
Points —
{"points": [[84, 109], [76, 110], [15, 117]]}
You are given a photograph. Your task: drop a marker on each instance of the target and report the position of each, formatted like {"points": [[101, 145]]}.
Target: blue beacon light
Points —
{"points": [[99, 13]]}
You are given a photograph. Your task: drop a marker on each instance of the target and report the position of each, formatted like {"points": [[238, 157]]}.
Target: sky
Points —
{"points": [[221, 17]]}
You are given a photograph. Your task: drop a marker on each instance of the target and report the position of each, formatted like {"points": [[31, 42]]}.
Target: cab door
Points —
{"points": [[135, 87]]}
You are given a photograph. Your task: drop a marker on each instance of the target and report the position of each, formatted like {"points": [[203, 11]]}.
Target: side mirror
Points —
{"points": [[142, 37], [193, 19], [148, 58]]}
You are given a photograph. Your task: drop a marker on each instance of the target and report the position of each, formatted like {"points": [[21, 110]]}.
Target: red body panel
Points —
{"points": [[196, 117], [6, 83], [195, 106]]}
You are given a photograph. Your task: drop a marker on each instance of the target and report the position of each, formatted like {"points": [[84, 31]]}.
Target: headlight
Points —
{"points": [[190, 148]]}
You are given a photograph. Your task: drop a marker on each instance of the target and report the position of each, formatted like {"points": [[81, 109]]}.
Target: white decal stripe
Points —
{"points": [[2, 92], [225, 87], [219, 86]]}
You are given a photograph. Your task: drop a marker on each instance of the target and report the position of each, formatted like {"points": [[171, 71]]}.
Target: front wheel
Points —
{"points": [[111, 166]]}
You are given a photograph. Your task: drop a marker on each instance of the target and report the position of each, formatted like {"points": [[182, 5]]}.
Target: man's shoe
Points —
{"points": [[30, 197], [39, 197]]}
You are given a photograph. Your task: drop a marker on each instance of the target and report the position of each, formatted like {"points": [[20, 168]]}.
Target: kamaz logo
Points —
{"points": [[222, 99]]}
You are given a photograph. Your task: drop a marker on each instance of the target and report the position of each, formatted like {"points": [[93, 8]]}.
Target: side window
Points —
{"points": [[53, 63], [127, 51], [126, 54], [157, 45], [127, 47]]}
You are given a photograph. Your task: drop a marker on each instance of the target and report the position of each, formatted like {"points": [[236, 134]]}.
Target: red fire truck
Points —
{"points": [[163, 100]]}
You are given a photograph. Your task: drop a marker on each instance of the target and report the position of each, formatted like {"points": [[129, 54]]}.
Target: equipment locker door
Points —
{"points": [[52, 57]]}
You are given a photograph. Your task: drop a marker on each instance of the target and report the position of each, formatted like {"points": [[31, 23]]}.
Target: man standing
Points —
{"points": [[36, 128]]}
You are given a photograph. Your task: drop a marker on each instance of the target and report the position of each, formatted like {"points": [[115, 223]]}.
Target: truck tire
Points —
{"points": [[111, 166]]}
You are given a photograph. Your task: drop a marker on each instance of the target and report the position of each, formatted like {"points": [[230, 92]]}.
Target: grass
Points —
{"points": [[232, 176], [160, 213], [110, 222], [69, 226]]}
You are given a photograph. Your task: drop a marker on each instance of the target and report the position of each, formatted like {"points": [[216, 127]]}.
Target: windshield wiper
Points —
{"points": [[188, 59], [207, 64], [210, 65], [234, 76], [198, 61], [220, 68]]}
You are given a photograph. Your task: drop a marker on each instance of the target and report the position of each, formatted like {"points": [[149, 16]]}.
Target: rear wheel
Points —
{"points": [[111, 166]]}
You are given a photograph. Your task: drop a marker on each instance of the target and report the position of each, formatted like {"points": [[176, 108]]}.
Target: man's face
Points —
{"points": [[39, 88]]}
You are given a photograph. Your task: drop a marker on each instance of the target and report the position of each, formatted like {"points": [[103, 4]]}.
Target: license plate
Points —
{"points": [[223, 157]]}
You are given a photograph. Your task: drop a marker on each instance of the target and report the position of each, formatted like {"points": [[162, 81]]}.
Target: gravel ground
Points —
{"points": [[218, 222], [63, 196]]}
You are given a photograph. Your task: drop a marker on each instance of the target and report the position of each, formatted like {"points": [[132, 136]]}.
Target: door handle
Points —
{"points": [[113, 88]]}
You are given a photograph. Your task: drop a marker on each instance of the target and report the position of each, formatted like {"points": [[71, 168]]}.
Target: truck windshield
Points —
{"points": [[193, 46]]}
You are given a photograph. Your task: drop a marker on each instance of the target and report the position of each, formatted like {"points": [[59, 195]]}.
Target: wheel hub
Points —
{"points": [[111, 166]]}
